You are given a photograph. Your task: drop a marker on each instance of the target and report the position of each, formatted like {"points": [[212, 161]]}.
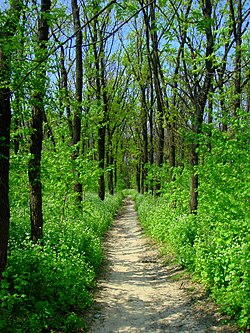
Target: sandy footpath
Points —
{"points": [[137, 293]]}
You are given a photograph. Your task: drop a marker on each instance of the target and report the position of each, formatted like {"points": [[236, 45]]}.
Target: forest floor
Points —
{"points": [[137, 292]]}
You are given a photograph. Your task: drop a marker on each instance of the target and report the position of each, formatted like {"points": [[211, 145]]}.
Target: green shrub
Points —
{"points": [[158, 218], [222, 262], [42, 283], [222, 245], [182, 235], [214, 244], [47, 286]]}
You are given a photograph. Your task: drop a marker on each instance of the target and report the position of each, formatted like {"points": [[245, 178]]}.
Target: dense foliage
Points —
{"points": [[46, 285], [214, 243]]}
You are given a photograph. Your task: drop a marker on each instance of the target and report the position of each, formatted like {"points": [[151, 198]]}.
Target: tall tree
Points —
{"points": [[79, 83], [6, 34], [158, 79], [38, 95], [97, 29], [136, 56], [200, 96], [152, 41], [98, 48]]}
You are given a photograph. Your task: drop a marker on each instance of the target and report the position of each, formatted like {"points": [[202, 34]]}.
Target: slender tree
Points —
{"points": [[79, 83], [98, 80], [200, 94], [152, 42], [38, 94]]}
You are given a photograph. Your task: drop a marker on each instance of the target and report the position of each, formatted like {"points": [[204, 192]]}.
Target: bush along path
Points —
{"points": [[46, 287], [137, 293]]}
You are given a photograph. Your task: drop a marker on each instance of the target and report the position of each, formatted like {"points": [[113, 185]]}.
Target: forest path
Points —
{"points": [[137, 293]]}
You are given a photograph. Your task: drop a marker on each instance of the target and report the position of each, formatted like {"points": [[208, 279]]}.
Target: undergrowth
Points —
{"points": [[218, 255], [46, 286], [214, 244]]}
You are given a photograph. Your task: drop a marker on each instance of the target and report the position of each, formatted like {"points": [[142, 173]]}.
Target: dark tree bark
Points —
{"points": [[34, 170], [110, 160], [101, 155], [102, 99], [102, 130], [7, 32], [138, 176], [34, 167], [151, 132], [79, 78], [144, 119], [5, 119], [157, 79]]}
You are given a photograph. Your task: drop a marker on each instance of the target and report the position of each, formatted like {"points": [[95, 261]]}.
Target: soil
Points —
{"points": [[137, 292]]}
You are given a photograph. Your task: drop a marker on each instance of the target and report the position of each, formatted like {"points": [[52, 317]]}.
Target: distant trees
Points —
{"points": [[194, 60]]}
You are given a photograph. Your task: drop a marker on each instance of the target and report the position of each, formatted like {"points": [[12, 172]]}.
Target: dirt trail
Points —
{"points": [[138, 294]]}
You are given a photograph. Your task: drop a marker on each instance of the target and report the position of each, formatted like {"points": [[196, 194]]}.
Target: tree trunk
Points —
{"points": [[34, 166], [5, 119], [115, 165], [156, 77], [194, 180], [156, 68], [200, 103], [111, 176], [138, 177], [34, 170], [237, 31], [110, 162], [79, 78], [6, 33], [102, 98], [145, 138], [101, 155]]}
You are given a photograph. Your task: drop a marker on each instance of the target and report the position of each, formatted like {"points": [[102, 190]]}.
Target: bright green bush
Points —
{"points": [[45, 286], [161, 222], [222, 262], [215, 243], [222, 246], [42, 284]]}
